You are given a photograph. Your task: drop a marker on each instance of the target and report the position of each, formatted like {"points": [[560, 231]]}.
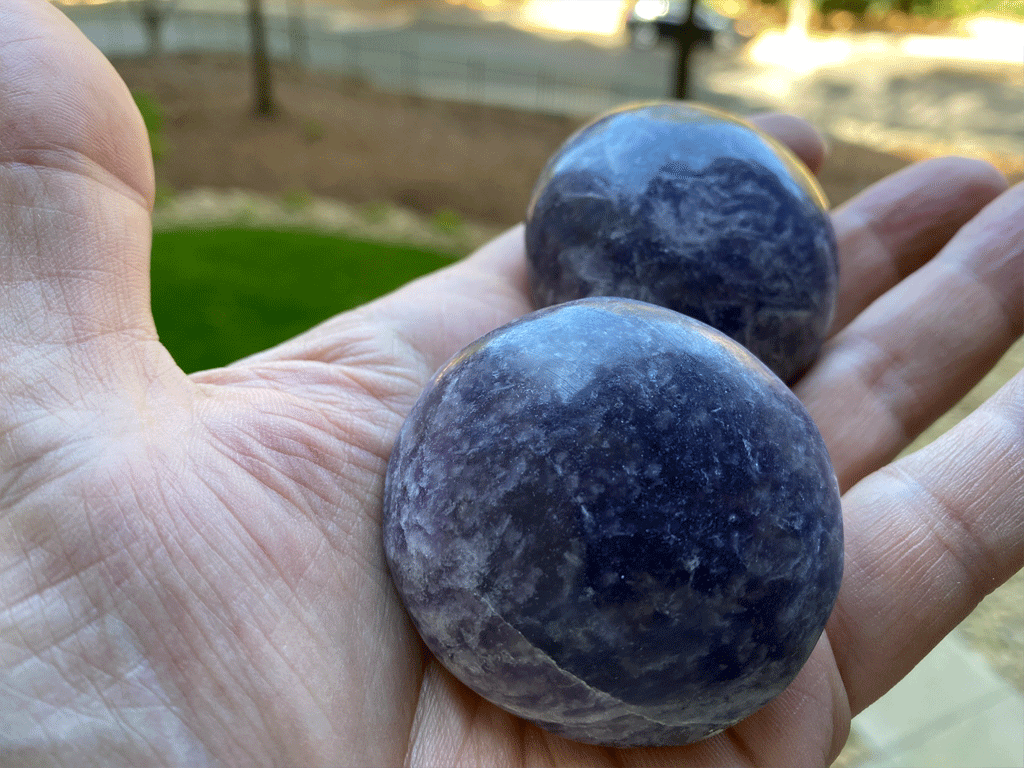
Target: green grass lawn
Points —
{"points": [[221, 294]]}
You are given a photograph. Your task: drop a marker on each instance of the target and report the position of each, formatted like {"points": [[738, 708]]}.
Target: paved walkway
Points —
{"points": [[886, 91], [951, 711]]}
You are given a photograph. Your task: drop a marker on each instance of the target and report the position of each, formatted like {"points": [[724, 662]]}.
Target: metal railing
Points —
{"points": [[384, 58]]}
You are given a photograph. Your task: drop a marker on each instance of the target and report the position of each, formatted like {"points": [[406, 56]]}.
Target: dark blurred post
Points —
{"points": [[154, 14], [263, 88], [686, 38]]}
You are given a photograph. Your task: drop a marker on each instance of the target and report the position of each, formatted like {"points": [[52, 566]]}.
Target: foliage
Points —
{"points": [[163, 195], [153, 117], [446, 221], [222, 294], [946, 9], [954, 8], [375, 211], [296, 199]]}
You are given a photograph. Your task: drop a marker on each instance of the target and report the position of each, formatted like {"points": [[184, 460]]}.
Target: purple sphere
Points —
{"points": [[614, 521], [687, 207]]}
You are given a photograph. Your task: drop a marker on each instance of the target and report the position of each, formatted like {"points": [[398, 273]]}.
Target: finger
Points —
{"points": [[926, 539], [798, 135], [919, 348], [75, 191], [813, 708], [895, 226]]}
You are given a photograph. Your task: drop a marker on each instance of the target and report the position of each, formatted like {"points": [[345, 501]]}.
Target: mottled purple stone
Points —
{"points": [[615, 522], [692, 209]]}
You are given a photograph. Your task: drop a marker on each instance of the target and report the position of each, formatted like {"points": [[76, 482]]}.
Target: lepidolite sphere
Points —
{"points": [[695, 210], [615, 522]]}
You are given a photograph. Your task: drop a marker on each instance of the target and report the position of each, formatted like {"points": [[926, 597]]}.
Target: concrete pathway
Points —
{"points": [[951, 711]]}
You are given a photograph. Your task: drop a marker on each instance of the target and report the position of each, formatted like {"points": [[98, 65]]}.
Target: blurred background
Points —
{"points": [[454, 104], [312, 154]]}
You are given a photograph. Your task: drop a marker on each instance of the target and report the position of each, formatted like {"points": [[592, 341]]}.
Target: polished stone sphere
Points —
{"points": [[687, 207], [614, 521]]}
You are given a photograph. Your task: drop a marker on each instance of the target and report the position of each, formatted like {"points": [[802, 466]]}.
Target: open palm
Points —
{"points": [[191, 568]]}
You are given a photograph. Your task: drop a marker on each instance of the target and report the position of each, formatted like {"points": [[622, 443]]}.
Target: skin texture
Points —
{"points": [[190, 566]]}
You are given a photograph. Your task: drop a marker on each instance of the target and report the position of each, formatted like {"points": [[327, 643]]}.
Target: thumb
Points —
{"points": [[76, 190]]}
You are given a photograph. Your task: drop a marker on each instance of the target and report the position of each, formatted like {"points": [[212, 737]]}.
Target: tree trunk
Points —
{"points": [[686, 37], [262, 83]]}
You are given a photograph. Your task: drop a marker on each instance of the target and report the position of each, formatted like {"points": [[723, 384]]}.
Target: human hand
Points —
{"points": [[191, 568]]}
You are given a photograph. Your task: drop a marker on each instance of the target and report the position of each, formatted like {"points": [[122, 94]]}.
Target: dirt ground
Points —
{"points": [[340, 139]]}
